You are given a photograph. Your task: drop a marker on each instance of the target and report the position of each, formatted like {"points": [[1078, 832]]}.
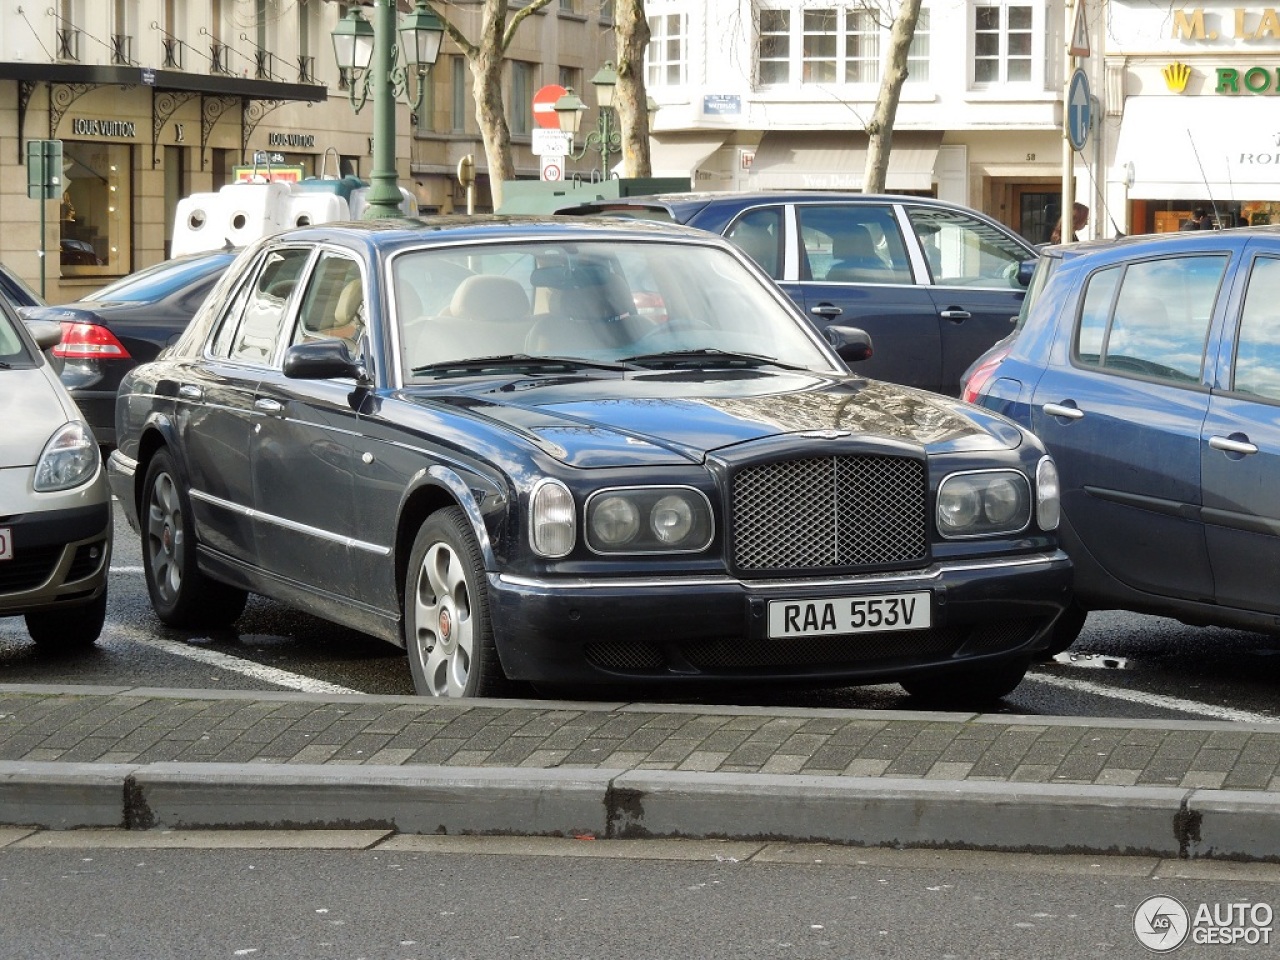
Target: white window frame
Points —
{"points": [[864, 45], [789, 59], [1003, 58], [667, 56], [918, 55]]}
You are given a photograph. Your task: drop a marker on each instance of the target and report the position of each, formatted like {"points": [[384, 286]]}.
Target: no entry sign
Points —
{"points": [[544, 106]]}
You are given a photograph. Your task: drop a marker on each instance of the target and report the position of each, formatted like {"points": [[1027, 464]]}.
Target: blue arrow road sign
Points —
{"points": [[1079, 109]]}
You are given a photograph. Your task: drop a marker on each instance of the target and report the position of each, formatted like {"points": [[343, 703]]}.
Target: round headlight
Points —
{"points": [[671, 519], [614, 520], [959, 504], [1002, 501]]}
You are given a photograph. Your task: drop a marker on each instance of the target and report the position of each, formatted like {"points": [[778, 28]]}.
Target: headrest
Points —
{"points": [[349, 303], [489, 298], [856, 244]]}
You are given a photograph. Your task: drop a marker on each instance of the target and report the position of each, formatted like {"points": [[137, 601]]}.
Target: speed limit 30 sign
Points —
{"points": [[552, 167]]}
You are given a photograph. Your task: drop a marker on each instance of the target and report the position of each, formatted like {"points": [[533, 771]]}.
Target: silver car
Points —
{"points": [[55, 507]]}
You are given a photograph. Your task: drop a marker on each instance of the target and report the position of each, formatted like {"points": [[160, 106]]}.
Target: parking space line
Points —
{"points": [[1153, 699]]}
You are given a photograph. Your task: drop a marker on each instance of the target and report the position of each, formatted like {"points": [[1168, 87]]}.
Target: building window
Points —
{"points": [[426, 117], [862, 47], [1002, 44], [458, 101], [666, 50], [775, 46], [95, 214], [818, 46], [521, 97], [570, 78], [918, 52]]}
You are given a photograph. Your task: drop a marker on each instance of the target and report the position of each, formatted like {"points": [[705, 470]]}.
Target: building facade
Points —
{"points": [[778, 93]]}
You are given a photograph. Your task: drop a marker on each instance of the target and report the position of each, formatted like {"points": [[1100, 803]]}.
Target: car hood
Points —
{"points": [[679, 417], [33, 409]]}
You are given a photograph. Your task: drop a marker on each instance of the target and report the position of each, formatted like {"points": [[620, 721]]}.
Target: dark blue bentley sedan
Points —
{"points": [[1150, 367], [579, 452]]}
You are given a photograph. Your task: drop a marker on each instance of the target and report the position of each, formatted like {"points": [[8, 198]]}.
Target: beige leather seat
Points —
{"points": [[487, 316]]}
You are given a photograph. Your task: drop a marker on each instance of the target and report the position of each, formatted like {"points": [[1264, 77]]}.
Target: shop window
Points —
{"points": [[95, 214]]}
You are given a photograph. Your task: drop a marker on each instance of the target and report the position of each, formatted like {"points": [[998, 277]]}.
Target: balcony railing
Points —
{"points": [[306, 69], [68, 43], [219, 58], [263, 64], [172, 53], [121, 49]]}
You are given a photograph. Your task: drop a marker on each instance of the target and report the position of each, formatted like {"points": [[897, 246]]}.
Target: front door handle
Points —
{"points": [[955, 314], [1230, 445], [189, 391], [267, 405], [826, 310], [1058, 410]]}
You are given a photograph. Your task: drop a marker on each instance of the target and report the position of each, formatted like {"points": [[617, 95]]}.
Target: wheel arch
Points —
{"points": [[158, 434]]}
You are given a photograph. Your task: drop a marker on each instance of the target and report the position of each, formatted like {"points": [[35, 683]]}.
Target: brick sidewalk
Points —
{"points": [[138, 726]]}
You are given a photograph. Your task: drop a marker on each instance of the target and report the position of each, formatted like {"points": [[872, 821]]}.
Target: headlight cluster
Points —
{"points": [[69, 459], [983, 503], [648, 520], [621, 520]]}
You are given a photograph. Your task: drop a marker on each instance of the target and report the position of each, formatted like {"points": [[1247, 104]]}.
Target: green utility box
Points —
{"points": [[547, 196]]}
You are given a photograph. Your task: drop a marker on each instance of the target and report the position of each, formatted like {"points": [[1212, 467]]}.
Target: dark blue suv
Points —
{"points": [[933, 283], [1150, 368]]}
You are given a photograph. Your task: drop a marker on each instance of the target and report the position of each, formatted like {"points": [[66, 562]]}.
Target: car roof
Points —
{"points": [[745, 198], [461, 228], [1142, 243]]}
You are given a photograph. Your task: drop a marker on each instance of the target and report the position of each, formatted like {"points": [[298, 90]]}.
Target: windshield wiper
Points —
{"points": [[711, 357], [517, 360]]}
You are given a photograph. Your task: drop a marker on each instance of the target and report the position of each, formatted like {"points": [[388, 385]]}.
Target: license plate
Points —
{"points": [[6, 543], [841, 615]]}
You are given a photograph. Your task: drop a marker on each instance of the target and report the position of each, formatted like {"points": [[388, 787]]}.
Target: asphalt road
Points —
{"points": [[478, 898], [1123, 665]]}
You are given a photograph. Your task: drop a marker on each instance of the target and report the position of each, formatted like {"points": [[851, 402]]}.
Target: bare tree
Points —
{"points": [[880, 129], [485, 56], [630, 99]]}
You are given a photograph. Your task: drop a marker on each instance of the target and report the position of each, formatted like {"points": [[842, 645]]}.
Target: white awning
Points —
{"points": [[837, 160], [675, 155], [1198, 148]]}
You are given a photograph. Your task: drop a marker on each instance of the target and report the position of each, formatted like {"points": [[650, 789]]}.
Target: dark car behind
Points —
{"points": [[933, 283], [126, 323]]}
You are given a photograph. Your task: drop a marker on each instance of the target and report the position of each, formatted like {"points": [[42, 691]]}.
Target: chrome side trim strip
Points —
{"points": [[302, 528]]}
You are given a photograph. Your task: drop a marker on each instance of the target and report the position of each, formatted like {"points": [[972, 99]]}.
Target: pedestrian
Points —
{"points": [[1199, 221], [1079, 217]]}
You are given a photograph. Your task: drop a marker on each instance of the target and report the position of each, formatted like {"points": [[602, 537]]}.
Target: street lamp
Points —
{"points": [[369, 54], [570, 108]]}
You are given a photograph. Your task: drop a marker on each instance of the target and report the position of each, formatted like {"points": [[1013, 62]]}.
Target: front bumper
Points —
{"points": [[60, 558], [716, 628]]}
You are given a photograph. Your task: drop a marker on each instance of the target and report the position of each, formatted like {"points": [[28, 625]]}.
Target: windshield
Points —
{"points": [[158, 281], [602, 301]]}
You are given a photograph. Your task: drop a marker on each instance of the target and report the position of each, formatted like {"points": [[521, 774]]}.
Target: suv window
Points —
{"points": [[963, 250], [1257, 362], [850, 243], [1150, 318]]}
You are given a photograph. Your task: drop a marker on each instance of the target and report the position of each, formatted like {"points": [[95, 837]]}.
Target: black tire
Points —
{"points": [[970, 686], [181, 595], [447, 631], [1064, 631], [68, 628]]}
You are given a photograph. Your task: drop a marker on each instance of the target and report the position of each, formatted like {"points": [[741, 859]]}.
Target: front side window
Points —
{"points": [[665, 56], [1003, 43], [1257, 361], [759, 233], [965, 251], [1151, 319], [333, 304]]}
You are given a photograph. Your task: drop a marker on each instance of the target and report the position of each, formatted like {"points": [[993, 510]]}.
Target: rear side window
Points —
{"points": [[1151, 318], [850, 243], [967, 251], [1257, 363]]}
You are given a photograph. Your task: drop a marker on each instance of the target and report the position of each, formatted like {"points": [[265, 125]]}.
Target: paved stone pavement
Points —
{"points": [[785, 756]]}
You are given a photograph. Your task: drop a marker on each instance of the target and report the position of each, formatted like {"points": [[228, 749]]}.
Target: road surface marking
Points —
{"points": [[1153, 699]]}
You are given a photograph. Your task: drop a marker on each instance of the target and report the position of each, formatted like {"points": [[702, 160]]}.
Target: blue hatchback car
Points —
{"points": [[1150, 368]]}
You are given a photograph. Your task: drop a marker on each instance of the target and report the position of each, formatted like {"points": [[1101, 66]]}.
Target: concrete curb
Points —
{"points": [[859, 811]]}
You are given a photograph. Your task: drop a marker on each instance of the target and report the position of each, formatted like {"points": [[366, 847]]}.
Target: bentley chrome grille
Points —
{"points": [[830, 512]]}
